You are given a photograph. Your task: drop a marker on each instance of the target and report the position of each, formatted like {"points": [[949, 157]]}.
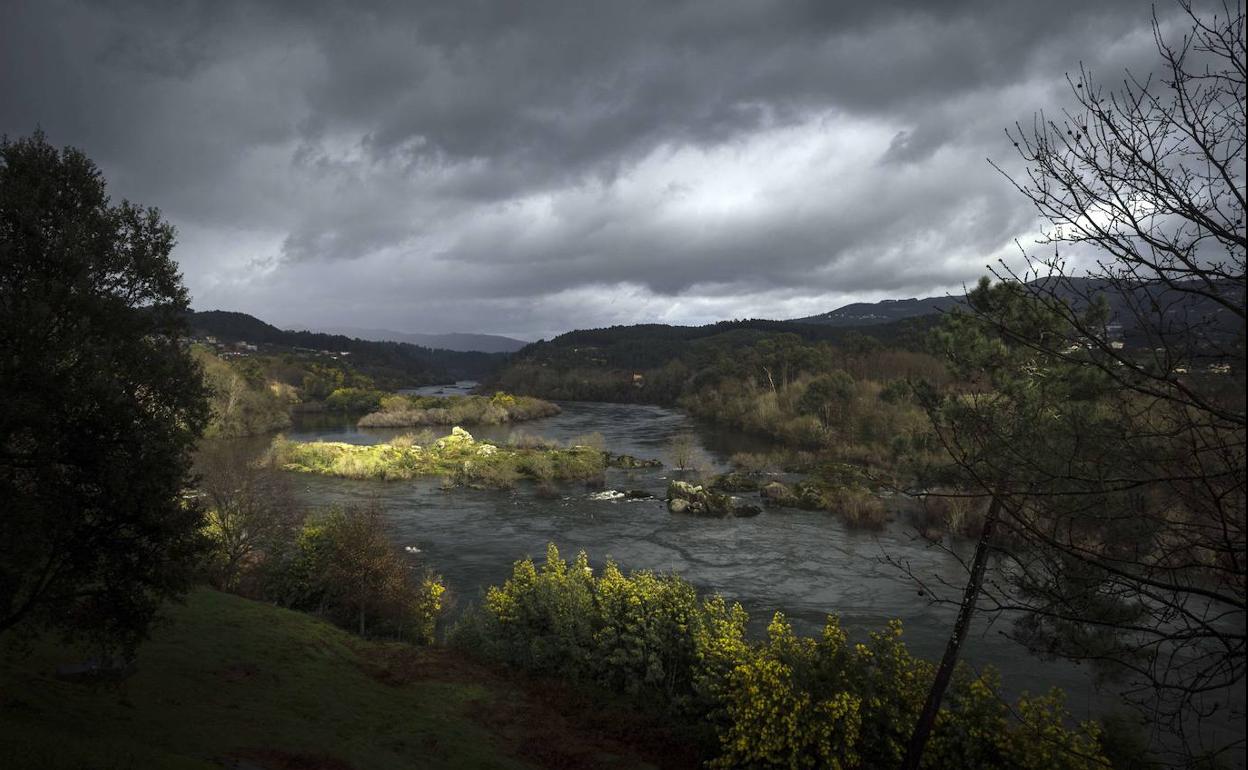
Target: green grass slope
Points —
{"points": [[228, 682]]}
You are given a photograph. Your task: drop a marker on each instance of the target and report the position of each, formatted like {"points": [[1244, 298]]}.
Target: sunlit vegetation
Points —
{"points": [[242, 401], [458, 457], [784, 701], [253, 395], [354, 400], [402, 411]]}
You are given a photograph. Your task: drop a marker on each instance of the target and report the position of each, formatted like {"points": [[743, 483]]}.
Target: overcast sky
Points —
{"points": [[526, 168]]}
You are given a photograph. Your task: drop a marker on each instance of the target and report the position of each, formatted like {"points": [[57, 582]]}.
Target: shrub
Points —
{"points": [[857, 506], [788, 701], [956, 512], [543, 620], [683, 450], [785, 710], [344, 566], [523, 440], [395, 403], [593, 440], [354, 400], [752, 462]]}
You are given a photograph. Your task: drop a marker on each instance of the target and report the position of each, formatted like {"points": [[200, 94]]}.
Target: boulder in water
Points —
{"points": [[628, 461], [684, 497]]}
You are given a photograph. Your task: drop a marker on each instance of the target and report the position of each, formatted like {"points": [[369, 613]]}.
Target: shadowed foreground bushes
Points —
{"points": [[341, 563], [786, 701], [344, 566]]}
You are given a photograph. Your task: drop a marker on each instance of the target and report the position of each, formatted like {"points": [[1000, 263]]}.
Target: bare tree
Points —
{"points": [[251, 510], [1105, 407]]}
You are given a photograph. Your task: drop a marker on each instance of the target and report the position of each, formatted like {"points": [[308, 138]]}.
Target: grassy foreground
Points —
{"points": [[235, 683]]}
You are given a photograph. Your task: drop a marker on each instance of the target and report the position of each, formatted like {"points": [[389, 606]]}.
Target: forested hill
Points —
{"points": [[1150, 305], [419, 364], [661, 341], [882, 312], [657, 363]]}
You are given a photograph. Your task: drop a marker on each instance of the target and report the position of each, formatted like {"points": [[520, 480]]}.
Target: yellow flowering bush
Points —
{"points": [[783, 711], [788, 701], [642, 636], [542, 620]]}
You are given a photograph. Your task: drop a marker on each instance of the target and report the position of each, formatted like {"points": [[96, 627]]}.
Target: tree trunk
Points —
{"points": [[923, 728]]}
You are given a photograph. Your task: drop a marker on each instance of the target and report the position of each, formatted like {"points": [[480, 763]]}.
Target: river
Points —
{"points": [[806, 564]]}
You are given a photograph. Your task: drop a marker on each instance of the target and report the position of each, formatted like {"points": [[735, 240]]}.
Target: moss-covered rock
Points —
{"points": [[683, 497], [628, 461]]}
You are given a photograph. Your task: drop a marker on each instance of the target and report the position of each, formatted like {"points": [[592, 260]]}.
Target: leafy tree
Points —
{"points": [[827, 397], [347, 566], [102, 403], [1106, 413]]}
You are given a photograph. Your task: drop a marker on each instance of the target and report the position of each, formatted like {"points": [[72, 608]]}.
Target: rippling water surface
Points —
{"points": [[806, 564]]}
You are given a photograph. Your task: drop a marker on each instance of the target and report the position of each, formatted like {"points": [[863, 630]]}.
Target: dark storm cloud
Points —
{"points": [[532, 167]]}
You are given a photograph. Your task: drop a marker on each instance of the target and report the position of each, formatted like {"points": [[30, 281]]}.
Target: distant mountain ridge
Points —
{"points": [[460, 341], [1177, 309], [882, 312], [419, 363]]}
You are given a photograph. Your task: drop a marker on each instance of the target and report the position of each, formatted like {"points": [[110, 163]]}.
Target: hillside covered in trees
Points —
{"points": [[411, 364]]}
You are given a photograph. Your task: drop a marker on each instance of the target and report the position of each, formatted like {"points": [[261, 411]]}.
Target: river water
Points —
{"points": [[806, 564]]}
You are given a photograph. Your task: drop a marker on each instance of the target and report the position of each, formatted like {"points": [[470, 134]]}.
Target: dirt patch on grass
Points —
{"points": [[274, 759], [555, 725], [539, 720], [238, 672], [398, 665]]}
